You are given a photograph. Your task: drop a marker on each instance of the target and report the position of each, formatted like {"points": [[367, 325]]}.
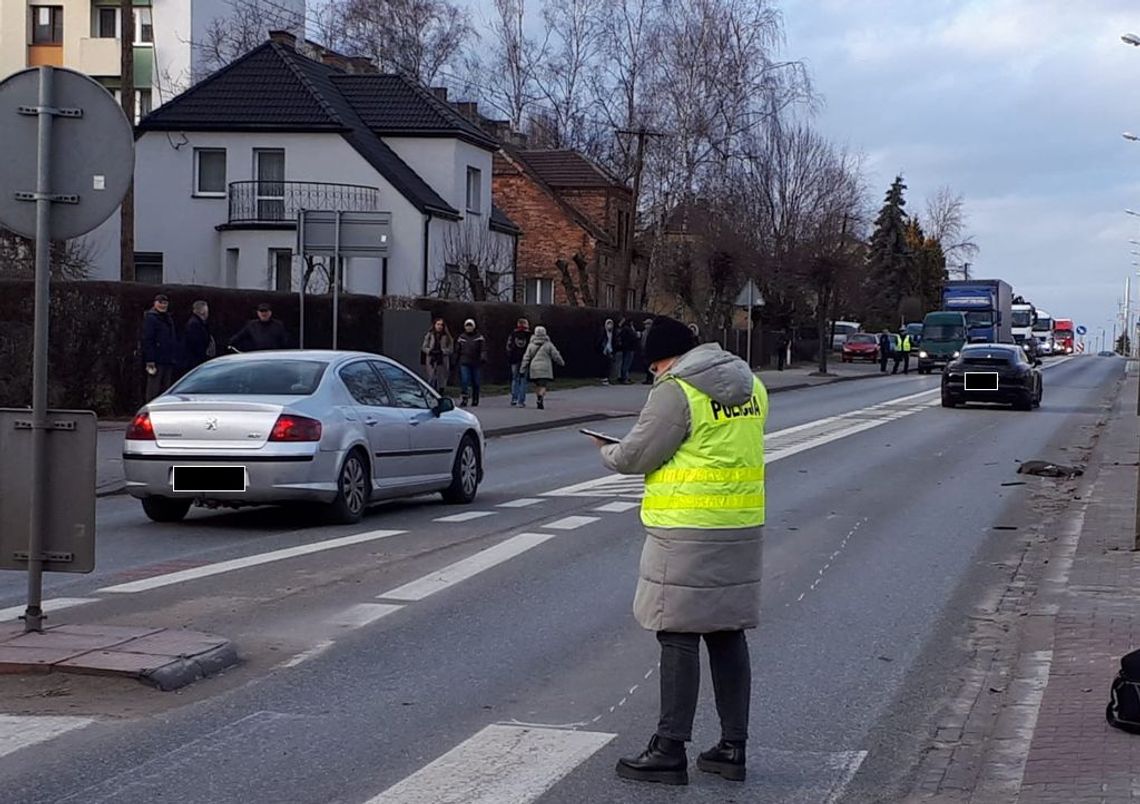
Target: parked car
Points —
{"points": [[993, 372], [861, 346], [344, 429], [840, 330], [914, 330]]}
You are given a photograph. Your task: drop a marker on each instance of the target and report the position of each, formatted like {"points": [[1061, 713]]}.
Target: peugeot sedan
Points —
{"points": [[861, 346], [343, 429], [993, 372]]}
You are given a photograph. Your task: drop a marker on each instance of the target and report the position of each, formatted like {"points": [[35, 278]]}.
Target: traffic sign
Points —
{"points": [[1082, 329]]}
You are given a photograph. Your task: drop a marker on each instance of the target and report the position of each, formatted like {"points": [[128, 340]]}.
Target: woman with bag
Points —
{"points": [[538, 362], [436, 355]]}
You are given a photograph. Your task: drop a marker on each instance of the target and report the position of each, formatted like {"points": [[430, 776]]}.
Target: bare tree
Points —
{"points": [[507, 77], [70, 260], [564, 77], [417, 38], [478, 264], [247, 25], [946, 221]]}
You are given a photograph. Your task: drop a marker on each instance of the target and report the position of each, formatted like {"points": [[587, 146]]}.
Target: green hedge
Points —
{"points": [[95, 330]]}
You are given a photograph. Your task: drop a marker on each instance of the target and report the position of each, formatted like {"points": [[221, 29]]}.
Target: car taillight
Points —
{"points": [[140, 428], [295, 428]]}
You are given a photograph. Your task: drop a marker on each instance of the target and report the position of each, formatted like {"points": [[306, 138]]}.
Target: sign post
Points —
{"points": [[70, 161], [750, 297]]}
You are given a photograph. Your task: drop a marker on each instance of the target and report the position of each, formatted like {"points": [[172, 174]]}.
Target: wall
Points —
{"points": [[13, 37], [168, 218], [442, 162]]}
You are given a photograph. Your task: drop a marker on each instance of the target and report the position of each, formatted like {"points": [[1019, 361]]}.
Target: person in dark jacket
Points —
{"points": [[159, 347], [517, 342], [628, 343], [471, 349], [197, 342], [264, 332], [884, 350], [781, 349]]}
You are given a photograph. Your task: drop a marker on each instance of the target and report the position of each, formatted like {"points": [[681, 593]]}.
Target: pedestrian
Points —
{"points": [[159, 347], [607, 347], [645, 327], [903, 354], [198, 344], [435, 354], [472, 351], [627, 347], [781, 349], [262, 333], [884, 350], [517, 342], [538, 363], [699, 441]]}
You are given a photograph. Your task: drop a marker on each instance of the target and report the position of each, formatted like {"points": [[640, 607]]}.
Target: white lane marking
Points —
{"points": [[618, 507], [462, 570], [1031, 677], [845, 764], [464, 516], [499, 765], [311, 653], [206, 571], [362, 614], [524, 502], [19, 731], [571, 522], [48, 606]]}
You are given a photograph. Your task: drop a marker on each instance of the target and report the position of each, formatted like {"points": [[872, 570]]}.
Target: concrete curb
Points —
{"points": [[186, 670]]}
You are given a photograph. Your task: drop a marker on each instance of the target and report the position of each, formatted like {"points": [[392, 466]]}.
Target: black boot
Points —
{"points": [[463, 402], [663, 761], [475, 400], [541, 406], [725, 759]]}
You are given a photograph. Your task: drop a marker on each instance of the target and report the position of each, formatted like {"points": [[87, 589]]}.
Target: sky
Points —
{"points": [[1019, 105]]}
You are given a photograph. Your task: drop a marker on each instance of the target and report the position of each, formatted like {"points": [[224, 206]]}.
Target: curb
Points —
{"points": [[186, 670]]}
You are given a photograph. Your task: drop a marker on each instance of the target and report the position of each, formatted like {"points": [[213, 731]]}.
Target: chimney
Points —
{"points": [[361, 65], [468, 109], [440, 93], [334, 60], [283, 38]]}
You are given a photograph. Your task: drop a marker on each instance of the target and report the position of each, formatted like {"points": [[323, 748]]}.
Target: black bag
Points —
{"points": [[1123, 710]]}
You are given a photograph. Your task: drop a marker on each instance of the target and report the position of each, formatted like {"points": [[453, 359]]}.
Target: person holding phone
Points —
{"points": [[699, 441]]}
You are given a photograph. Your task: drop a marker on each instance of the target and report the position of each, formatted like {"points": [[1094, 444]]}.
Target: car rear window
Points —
{"points": [[862, 339], [254, 378]]}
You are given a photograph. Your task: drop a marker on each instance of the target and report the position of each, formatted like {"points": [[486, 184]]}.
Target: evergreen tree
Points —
{"points": [[889, 259]]}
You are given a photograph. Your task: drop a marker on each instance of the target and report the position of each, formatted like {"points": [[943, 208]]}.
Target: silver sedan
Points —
{"points": [[341, 428]]}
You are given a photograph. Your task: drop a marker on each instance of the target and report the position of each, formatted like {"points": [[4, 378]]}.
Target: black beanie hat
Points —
{"points": [[667, 338]]}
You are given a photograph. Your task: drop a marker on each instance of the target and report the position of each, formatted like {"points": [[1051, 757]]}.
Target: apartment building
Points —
{"points": [[170, 48]]}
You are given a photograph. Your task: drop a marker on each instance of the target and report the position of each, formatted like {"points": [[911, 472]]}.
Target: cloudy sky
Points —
{"points": [[1017, 104]]}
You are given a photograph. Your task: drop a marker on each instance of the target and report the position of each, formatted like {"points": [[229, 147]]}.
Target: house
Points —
{"points": [[223, 170], [85, 35], [577, 220]]}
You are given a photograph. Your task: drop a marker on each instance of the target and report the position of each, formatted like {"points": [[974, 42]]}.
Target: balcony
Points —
{"points": [[275, 204], [100, 57]]}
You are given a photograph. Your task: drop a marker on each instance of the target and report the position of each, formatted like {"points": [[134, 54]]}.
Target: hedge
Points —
{"points": [[95, 328]]}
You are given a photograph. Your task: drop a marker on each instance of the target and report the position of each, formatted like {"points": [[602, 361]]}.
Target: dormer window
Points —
{"points": [[474, 191]]}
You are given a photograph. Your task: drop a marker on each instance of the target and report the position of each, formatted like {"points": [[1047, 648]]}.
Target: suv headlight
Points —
{"points": [[923, 355], [955, 355]]}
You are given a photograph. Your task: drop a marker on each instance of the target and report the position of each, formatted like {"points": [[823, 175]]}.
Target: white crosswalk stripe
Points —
{"points": [[20, 731]]}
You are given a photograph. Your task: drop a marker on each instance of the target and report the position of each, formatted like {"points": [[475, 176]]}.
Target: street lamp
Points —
{"points": [[1130, 39]]}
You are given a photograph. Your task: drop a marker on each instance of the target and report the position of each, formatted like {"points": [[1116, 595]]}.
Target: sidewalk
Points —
{"points": [[563, 408], [1035, 731]]}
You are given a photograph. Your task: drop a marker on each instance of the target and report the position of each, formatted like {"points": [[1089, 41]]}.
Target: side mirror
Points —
{"points": [[444, 405]]}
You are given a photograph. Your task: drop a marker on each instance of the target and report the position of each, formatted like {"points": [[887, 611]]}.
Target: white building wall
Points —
{"points": [[169, 219], [442, 162]]}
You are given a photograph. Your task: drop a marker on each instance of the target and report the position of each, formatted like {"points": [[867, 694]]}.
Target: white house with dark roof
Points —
{"points": [[223, 169]]}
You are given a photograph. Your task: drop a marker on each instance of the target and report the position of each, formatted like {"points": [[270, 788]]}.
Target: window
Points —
{"points": [[148, 267], [269, 167], [144, 27], [493, 284], [610, 297], [47, 25], [263, 377], [142, 104], [474, 191], [453, 281], [281, 268], [106, 22], [365, 385], [622, 229], [539, 291], [210, 171], [630, 299], [233, 258], [406, 389]]}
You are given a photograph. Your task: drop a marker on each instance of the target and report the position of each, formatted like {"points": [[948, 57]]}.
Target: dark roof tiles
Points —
{"points": [[567, 169]]}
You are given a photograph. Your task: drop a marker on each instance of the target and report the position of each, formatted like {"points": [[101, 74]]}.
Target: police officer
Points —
{"points": [[699, 441], [903, 354]]}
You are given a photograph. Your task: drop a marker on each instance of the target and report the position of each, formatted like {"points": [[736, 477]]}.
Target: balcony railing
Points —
{"points": [[280, 201]]}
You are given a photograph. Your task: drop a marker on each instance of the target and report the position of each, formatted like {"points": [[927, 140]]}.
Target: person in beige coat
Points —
{"points": [[699, 441], [539, 361]]}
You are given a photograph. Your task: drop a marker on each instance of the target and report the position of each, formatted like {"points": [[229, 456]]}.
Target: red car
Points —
{"points": [[861, 346]]}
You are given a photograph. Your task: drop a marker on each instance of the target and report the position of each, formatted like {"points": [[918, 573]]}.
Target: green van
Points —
{"points": [[943, 336]]}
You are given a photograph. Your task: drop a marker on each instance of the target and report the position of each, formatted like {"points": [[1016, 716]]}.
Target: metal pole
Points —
{"points": [[749, 323], [301, 289], [33, 616], [336, 276]]}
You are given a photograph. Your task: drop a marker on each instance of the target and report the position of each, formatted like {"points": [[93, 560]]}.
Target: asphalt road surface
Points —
{"points": [[488, 653]]}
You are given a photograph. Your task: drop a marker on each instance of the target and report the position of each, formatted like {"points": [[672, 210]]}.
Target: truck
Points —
{"points": [[1022, 324], [1043, 332], [987, 305], [1063, 336], [943, 336]]}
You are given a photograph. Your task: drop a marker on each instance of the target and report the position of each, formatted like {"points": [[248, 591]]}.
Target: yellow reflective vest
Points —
{"points": [[906, 343], [715, 479]]}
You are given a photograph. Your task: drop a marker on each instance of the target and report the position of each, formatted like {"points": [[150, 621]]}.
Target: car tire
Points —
{"points": [[165, 509], [353, 488], [949, 401], [1025, 403], [464, 474]]}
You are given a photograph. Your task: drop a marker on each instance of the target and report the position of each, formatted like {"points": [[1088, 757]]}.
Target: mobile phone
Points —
{"points": [[609, 439]]}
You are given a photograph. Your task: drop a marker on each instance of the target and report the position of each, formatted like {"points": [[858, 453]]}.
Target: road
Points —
{"points": [[436, 654]]}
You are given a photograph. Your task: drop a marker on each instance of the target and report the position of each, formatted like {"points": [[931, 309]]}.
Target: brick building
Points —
{"points": [[575, 219]]}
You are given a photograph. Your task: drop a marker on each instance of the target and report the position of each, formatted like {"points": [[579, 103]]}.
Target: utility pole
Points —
{"points": [[127, 89], [966, 271], [626, 277]]}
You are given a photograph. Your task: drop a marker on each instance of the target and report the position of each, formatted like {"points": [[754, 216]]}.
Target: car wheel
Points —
{"points": [[353, 488], [949, 401], [165, 509], [464, 474]]}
